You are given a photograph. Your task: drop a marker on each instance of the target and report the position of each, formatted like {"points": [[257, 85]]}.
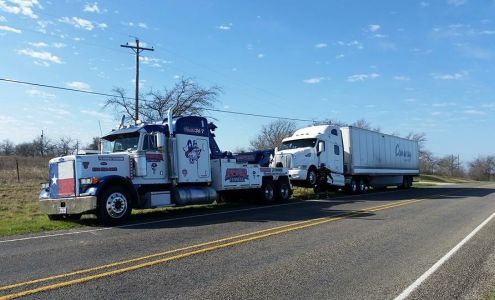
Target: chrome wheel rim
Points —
{"points": [[312, 177], [284, 191], [116, 205]]}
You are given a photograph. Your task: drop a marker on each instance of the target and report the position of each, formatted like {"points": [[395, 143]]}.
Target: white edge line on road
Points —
{"points": [[442, 260], [168, 220]]}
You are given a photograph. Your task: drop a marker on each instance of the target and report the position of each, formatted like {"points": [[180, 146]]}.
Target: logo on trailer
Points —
{"points": [[192, 151], [85, 164], [184, 172], [236, 175], [402, 153]]}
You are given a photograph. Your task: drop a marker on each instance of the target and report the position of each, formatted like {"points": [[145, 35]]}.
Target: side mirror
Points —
{"points": [[320, 148], [276, 149], [160, 140]]}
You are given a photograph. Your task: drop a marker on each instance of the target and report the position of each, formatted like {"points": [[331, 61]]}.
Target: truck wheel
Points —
{"points": [[311, 177], [267, 192], [282, 191], [114, 206], [361, 188], [353, 187]]}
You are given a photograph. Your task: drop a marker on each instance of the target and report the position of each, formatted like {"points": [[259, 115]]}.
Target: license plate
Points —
{"points": [[62, 210]]}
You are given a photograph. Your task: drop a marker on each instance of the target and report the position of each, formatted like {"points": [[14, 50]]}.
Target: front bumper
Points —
{"points": [[298, 174], [68, 206]]}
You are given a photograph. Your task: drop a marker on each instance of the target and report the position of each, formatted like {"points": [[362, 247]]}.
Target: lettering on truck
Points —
{"points": [[236, 175], [402, 153]]}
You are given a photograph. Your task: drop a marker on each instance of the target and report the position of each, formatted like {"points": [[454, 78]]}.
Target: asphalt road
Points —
{"points": [[370, 246]]}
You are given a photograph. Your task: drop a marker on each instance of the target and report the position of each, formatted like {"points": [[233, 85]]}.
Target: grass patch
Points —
{"points": [[442, 179]]}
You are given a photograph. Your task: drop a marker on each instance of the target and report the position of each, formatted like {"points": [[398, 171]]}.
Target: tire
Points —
{"points": [[267, 192], [55, 217], [114, 206], [282, 190], [405, 183], [225, 197], [353, 187], [311, 177], [361, 188]]}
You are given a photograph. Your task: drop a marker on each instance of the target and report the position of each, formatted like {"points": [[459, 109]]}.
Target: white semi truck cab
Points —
{"points": [[177, 162], [355, 158], [307, 149]]}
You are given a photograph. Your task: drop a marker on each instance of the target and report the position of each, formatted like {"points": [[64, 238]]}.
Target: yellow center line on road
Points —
{"points": [[115, 264], [257, 236]]}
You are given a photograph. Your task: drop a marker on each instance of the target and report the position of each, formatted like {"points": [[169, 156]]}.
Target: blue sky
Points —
{"points": [[422, 66]]}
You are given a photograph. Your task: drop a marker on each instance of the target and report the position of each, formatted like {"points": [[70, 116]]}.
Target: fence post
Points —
{"points": [[17, 167]]}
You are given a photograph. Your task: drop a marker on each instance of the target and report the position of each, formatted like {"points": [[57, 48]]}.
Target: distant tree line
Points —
{"points": [[46, 147]]}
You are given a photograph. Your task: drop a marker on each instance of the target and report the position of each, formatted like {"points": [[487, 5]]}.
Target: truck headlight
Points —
{"points": [[88, 181], [45, 186]]}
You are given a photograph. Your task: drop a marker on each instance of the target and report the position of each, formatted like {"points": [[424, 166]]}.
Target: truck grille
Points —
{"points": [[284, 159], [62, 183]]}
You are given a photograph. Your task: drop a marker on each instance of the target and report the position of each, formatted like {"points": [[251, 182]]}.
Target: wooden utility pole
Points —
{"points": [[137, 49]]}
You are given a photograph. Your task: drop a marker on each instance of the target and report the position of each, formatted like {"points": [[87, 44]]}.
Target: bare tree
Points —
{"points": [[186, 96], [482, 168], [65, 146], [95, 144], [7, 147], [271, 135]]}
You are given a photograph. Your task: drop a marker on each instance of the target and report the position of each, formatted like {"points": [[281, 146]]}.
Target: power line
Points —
{"points": [[144, 100]]}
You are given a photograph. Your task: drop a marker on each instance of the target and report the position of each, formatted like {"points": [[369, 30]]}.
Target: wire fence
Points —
{"points": [[23, 169]]}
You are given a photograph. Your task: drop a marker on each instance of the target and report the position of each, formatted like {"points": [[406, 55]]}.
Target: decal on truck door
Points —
{"points": [[192, 151]]}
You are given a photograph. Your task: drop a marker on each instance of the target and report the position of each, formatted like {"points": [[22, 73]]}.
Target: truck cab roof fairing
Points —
{"points": [[132, 129]]}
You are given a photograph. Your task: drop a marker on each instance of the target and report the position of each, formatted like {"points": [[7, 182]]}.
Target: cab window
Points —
{"points": [[149, 142]]}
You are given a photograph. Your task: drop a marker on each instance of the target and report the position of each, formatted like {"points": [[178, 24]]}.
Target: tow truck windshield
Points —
{"points": [[120, 142], [294, 144]]}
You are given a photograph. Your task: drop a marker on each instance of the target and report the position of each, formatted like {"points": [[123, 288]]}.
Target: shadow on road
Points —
{"points": [[246, 211]]}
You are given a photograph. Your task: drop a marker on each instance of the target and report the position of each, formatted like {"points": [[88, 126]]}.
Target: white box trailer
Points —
{"points": [[353, 158], [381, 158]]}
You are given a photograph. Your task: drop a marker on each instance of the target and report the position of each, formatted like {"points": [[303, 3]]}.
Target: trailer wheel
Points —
{"points": [[267, 192], [353, 187], [406, 183], [282, 190], [361, 188], [311, 177], [114, 206]]}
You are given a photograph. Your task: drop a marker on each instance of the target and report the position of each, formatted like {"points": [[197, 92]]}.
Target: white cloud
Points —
{"points": [[339, 56], [374, 27], [23, 7], [455, 76], [321, 45], [443, 104], [260, 55], [41, 55], [59, 45], [98, 114], [39, 94], [402, 78], [380, 36], [456, 2], [424, 4], [313, 80], [225, 26], [474, 112], [3, 19], [410, 100], [10, 29], [143, 25], [57, 110], [39, 44], [78, 85], [362, 77], [354, 43], [92, 8], [82, 23], [152, 61]]}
